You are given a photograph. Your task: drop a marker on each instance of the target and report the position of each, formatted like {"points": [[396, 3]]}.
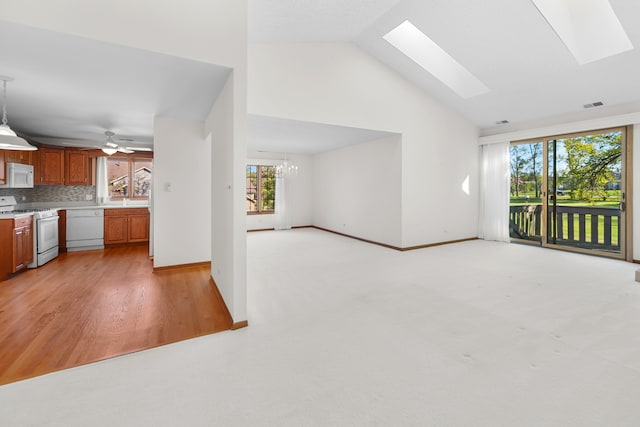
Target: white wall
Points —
{"points": [[300, 189], [357, 190], [181, 159], [210, 31], [228, 238], [338, 83]]}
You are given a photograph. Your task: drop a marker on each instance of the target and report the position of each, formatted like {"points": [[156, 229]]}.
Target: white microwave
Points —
{"points": [[18, 176]]}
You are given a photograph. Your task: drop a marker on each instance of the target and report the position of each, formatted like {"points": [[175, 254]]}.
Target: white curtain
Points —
{"points": [[102, 184], [283, 204], [494, 192]]}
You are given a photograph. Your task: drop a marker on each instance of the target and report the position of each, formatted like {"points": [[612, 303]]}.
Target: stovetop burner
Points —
{"points": [[33, 210], [8, 207]]}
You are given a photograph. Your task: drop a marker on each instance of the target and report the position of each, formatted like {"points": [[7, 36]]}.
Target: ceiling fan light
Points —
{"points": [[8, 142], [109, 150]]}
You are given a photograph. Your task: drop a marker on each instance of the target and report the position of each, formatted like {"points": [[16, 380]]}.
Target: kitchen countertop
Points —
{"points": [[14, 215], [81, 205], [104, 207], [69, 206]]}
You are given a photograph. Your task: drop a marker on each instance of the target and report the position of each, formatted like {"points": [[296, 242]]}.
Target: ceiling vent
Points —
{"points": [[502, 122], [594, 104]]}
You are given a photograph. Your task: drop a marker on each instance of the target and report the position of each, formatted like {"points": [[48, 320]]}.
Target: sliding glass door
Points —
{"points": [[575, 200]]}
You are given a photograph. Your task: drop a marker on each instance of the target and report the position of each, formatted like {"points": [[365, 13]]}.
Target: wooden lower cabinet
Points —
{"points": [[3, 168], [126, 225], [62, 230], [17, 236], [22, 247], [115, 227], [138, 227]]}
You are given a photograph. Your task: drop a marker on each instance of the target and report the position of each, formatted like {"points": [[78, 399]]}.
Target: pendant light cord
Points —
{"points": [[4, 102]]}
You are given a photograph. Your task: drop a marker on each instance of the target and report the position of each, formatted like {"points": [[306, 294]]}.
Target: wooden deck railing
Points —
{"points": [[584, 226]]}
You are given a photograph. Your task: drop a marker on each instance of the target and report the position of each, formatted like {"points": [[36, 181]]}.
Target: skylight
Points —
{"points": [[589, 28], [425, 52]]}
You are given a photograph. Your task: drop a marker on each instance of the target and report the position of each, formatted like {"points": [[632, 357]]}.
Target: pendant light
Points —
{"points": [[8, 138]]}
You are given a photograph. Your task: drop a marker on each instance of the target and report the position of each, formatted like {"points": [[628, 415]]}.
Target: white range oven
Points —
{"points": [[45, 230], [45, 236]]}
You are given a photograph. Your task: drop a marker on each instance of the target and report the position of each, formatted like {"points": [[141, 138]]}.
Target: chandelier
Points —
{"points": [[286, 169]]}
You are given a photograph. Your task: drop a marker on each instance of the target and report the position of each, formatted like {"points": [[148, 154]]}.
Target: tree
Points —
{"points": [[535, 153], [517, 153], [592, 162], [268, 177]]}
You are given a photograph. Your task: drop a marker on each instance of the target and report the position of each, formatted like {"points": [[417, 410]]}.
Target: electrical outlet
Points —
{"points": [[88, 197]]}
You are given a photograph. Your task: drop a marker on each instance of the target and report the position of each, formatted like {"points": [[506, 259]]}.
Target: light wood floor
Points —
{"points": [[92, 305]]}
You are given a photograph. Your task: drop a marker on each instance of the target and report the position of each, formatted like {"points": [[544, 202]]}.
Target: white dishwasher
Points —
{"points": [[85, 229]]}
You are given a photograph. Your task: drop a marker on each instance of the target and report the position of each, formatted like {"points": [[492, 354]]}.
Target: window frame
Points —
{"points": [[130, 159], [259, 185]]}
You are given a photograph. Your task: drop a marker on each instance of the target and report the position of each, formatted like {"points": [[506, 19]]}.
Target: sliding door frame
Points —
{"points": [[626, 215]]}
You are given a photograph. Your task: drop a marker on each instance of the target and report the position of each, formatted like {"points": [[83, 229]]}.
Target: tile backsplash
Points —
{"points": [[51, 193]]}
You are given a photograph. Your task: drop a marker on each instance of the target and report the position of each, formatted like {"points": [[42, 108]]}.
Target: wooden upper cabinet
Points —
{"points": [[3, 168], [76, 167], [50, 166], [18, 156]]}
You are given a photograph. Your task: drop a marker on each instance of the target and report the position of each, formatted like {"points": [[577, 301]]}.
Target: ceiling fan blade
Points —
{"points": [[124, 150], [147, 149]]}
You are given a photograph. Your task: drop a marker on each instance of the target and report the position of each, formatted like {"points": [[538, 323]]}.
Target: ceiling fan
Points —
{"points": [[110, 147]]}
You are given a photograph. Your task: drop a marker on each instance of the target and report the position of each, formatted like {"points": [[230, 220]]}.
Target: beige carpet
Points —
{"points": [[343, 333]]}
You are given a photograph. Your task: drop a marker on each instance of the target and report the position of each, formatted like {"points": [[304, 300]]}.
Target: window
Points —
{"points": [[261, 189], [129, 177]]}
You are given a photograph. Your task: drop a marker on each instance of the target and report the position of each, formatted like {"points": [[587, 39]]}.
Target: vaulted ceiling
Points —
{"points": [[73, 88], [507, 44]]}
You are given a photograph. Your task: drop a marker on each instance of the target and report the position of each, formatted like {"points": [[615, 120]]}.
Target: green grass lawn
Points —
{"points": [[615, 239], [612, 201]]}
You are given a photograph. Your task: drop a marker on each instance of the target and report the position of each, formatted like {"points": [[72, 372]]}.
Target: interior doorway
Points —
{"points": [[570, 192]]}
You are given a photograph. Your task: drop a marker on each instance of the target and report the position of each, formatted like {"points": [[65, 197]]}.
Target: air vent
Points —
{"points": [[502, 122], [594, 104]]}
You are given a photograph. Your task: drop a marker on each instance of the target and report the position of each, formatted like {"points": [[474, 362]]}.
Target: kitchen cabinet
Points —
{"points": [[18, 156], [62, 230], [3, 168], [76, 167], [22, 242], [50, 166], [126, 225], [115, 227], [16, 236]]}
